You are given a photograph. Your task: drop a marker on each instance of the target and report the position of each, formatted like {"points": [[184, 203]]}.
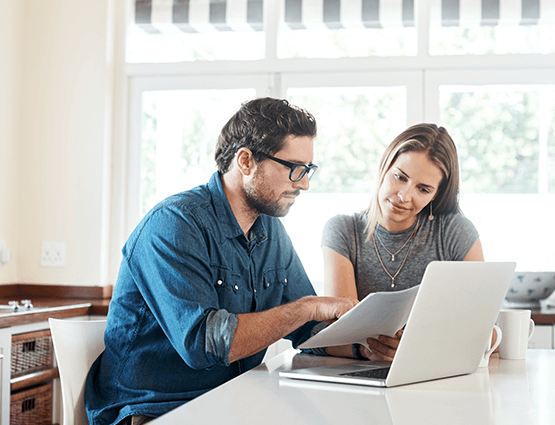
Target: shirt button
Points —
{"points": [[219, 282], [285, 280], [267, 284], [236, 287]]}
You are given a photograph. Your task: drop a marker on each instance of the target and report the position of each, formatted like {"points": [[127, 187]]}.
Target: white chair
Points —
{"points": [[77, 344]]}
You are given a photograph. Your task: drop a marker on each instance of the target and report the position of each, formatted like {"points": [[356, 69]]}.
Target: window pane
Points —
{"points": [[506, 142], [346, 28], [474, 27], [180, 130], [355, 124], [504, 136], [342, 43], [173, 45], [483, 40], [354, 127]]}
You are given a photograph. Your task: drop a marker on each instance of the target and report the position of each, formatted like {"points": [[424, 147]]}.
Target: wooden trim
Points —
{"points": [[30, 335], [33, 290], [543, 319], [99, 310], [9, 290], [33, 379], [23, 319]]}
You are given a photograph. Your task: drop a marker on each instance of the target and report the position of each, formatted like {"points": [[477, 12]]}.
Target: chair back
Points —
{"points": [[77, 344]]}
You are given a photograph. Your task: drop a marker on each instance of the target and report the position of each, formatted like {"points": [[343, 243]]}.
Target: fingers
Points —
{"points": [[366, 352], [380, 351], [385, 347], [391, 342]]}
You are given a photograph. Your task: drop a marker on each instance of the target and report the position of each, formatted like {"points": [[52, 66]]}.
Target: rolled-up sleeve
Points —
{"points": [[220, 329]]}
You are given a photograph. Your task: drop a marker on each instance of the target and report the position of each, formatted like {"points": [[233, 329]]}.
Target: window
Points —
{"points": [[504, 132], [179, 130], [358, 114], [202, 30], [366, 69], [460, 27], [174, 124], [335, 29]]}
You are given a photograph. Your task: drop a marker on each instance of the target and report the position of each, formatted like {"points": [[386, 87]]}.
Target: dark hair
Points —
{"points": [[261, 125], [441, 150]]}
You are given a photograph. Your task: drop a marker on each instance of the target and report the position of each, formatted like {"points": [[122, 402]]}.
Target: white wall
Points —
{"points": [[59, 151], [11, 42]]}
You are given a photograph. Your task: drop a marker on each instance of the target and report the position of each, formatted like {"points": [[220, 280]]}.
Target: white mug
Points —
{"points": [[484, 362], [517, 328]]}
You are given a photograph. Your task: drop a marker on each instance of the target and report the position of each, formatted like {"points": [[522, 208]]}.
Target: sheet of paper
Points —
{"points": [[380, 313]]}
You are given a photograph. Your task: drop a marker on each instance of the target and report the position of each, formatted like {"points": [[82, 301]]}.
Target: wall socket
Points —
{"points": [[6, 254], [53, 254]]}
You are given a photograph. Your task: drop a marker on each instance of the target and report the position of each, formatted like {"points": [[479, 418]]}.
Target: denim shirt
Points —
{"points": [[187, 271]]}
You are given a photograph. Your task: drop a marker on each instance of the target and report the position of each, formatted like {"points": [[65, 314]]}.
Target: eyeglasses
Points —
{"points": [[298, 171]]}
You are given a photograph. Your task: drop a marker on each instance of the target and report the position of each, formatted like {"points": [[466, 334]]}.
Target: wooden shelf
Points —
{"points": [[33, 379]]}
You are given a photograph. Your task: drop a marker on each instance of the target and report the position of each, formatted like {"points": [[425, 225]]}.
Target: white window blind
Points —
{"points": [[337, 14], [153, 16], [192, 16], [492, 12]]}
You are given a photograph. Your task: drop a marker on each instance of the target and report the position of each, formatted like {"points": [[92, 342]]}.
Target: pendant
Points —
{"points": [[392, 257], [393, 283]]}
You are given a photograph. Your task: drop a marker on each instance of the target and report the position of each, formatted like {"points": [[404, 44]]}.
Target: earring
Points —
{"points": [[431, 216]]}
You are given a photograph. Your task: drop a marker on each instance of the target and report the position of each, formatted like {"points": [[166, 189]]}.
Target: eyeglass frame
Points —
{"points": [[307, 168]]}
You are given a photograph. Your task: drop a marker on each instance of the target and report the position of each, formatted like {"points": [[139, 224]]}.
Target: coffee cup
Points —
{"points": [[517, 328], [484, 361]]}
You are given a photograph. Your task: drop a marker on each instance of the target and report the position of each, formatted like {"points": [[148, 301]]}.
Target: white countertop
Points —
{"points": [[508, 392]]}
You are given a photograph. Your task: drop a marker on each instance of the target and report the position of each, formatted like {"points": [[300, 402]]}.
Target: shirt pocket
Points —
{"points": [[232, 291], [274, 284]]}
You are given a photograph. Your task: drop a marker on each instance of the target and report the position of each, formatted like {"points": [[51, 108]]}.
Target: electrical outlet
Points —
{"points": [[53, 254], [6, 254]]}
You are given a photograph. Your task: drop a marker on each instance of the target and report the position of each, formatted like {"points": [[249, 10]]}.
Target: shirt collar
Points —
{"points": [[228, 221]]}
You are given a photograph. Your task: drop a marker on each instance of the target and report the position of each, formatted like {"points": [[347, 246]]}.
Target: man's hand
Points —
{"points": [[256, 331], [383, 348], [329, 309]]}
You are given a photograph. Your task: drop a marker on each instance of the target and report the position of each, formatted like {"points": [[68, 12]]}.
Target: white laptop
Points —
{"points": [[447, 330]]}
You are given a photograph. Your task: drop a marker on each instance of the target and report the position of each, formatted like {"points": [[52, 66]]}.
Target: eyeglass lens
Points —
{"points": [[299, 171]]}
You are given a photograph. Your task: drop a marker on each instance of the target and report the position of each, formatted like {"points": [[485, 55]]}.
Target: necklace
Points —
{"points": [[399, 250], [411, 238]]}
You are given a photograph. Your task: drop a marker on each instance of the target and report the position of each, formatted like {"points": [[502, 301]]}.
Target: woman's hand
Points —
{"points": [[383, 348]]}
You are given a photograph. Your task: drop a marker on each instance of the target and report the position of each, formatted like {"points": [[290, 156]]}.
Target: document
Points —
{"points": [[380, 313]]}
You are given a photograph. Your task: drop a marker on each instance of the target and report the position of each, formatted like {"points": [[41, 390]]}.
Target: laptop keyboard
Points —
{"points": [[369, 373]]}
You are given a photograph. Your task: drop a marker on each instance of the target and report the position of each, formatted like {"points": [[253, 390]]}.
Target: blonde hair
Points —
{"points": [[441, 150]]}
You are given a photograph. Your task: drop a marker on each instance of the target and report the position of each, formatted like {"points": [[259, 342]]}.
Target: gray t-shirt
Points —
{"points": [[448, 237]]}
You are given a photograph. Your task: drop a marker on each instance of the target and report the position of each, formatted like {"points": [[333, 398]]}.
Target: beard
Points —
{"points": [[262, 199]]}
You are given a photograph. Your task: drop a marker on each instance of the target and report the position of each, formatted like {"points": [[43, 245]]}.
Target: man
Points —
{"points": [[209, 278]]}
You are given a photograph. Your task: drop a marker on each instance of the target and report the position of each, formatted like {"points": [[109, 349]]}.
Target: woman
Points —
{"points": [[413, 218]]}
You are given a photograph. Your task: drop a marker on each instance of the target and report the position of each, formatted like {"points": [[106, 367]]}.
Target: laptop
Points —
{"points": [[447, 330]]}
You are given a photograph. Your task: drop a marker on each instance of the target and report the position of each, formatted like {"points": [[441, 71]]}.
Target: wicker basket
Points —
{"points": [[32, 406], [31, 352]]}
